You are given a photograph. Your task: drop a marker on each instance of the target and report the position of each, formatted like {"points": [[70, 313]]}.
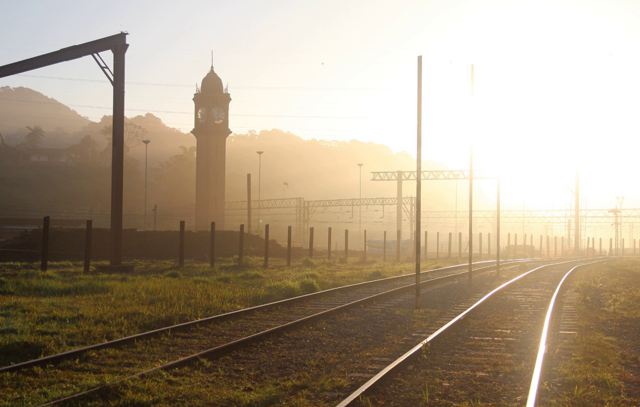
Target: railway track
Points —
{"points": [[482, 352], [88, 370]]}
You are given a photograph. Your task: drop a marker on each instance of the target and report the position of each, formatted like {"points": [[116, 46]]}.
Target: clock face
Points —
{"points": [[217, 115]]}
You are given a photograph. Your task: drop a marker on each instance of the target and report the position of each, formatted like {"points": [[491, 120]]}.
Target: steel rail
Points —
{"points": [[224, 348], [55, 358], [542, 348], [368, 385]]}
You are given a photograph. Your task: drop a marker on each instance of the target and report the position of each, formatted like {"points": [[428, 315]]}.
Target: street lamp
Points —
{"points": [[259, 189], [146, 155]]}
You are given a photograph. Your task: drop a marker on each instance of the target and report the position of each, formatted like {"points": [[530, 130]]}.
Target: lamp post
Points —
{"points": [[146, 155], [259, 189]]}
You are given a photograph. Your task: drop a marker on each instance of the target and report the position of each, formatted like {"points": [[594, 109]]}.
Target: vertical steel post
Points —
{"points": [[87, 245], [576, 233], [117, 154], [459, 245], [311, 242], [249, 203], [364, 247], [555, 246], [562, 252], [547, 252], [289, 245], [399, 204], [329, 243], [44, 253], [346, 245], [426, 244], [600, 243], [489, 244], [241, 246], [181, 245], [437, 245], [470, 216], [212, 245], [384, 246], [266, 246], [610, 247], [449, 246], [479, 245], [398, 235], [418, 181], [498, 227]]}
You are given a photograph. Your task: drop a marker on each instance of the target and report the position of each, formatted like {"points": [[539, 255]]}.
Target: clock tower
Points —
{"points": [[211, 128]]}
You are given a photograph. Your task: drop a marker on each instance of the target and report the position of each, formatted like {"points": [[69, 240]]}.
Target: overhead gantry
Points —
{"points": [[117, 44]]}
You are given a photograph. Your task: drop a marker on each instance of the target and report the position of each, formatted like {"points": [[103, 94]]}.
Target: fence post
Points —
{"points": [[384, 246], [212, 245], [289, 245], [398, 235], [266, 245], [181, 245], [346, 244], [364, 248], [329, 243], [241, 246], [87, 245], [44, 254], [311, 242]]}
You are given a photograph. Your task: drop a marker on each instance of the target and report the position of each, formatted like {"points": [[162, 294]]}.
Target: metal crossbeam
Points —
{"points": [[332, 203], [282, 203], [427, 175]]}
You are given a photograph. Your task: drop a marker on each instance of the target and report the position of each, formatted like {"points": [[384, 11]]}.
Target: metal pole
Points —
{"points": [[346, 245], [289, 245], [360, 201], [459, 245], [437, 245], [146, 147], [384, 247], [418, 181], [426, 241], [577, 214], [479, 245], [470, 215], [44, 254], [398, 245], [155, 217], [365, 245], [498, 228], [117, 154], [87, 245], [399, 205], [241, 246], [329, 243], [212, 245], [311, 242], [266, 246], [249, 203], [259, 187], [449, 246], [181, 245]]}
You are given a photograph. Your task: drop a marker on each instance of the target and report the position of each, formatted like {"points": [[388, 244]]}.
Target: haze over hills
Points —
{"points": [[291, 166]]}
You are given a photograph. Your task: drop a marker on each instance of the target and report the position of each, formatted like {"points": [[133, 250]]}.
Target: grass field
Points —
{"points": [[45, 313], [604, 367]]}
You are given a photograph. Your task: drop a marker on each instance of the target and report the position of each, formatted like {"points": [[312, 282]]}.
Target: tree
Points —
{"points": [[33, 138]]}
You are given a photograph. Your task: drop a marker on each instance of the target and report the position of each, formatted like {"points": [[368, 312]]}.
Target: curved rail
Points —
{"points": [[542, 348], [221, 349], [362, 390], [72, 353]]}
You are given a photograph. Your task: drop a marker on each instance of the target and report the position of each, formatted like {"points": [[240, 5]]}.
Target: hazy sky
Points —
{"points": [[557, 85]]}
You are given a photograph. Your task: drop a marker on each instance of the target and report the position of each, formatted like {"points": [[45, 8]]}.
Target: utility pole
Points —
{"points": [[470, 213], [498, 227], [146, 156], [249, 202], [418, 181], [259, 188], [576, 234], [360, 202]]}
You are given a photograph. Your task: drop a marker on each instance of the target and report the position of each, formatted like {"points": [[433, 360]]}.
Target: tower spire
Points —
{"points": [[212, 60]]}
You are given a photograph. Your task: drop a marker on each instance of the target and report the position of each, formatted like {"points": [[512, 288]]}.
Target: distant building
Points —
{"points": [[211, 130]]}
